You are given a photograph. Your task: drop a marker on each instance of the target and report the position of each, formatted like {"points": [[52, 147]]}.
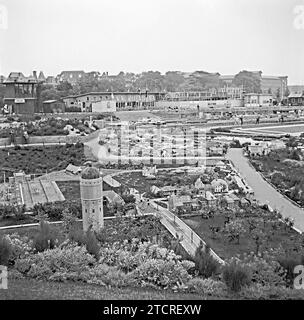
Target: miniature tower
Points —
{"points": [[91, 199]]}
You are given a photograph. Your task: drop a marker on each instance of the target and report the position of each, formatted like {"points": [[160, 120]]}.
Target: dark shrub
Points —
{"points": [[77, 235], [92, 245], [5, 251], [44, 239], [85, 238], [205, 263], [236, 276]]}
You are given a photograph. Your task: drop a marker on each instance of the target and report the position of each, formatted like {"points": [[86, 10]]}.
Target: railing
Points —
{"points": [[191, 237]]}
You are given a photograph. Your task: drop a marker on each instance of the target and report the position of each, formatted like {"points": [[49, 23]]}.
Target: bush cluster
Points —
{"points": [[54, 210], [38, 160]]}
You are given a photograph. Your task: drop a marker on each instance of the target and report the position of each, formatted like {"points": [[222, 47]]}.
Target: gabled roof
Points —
{"points": [[41, 76], [155, 189], [73, 169], [18, 77], [111, 182], [296, 95], [169, 188], [49, 101], [113, 197]]}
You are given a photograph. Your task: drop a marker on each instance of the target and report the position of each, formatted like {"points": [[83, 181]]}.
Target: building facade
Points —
{"points": [[21, 95], [258, 100], [122, 100], [296, 99], [70, 76], [275, 85]]}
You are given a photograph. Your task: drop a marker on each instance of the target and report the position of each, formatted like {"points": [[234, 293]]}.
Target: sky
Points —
{"points": [[224, 36]]}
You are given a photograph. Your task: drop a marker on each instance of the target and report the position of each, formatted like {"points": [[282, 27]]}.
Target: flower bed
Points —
{"points": [[37, 160], [123, 262], [284, 170]]}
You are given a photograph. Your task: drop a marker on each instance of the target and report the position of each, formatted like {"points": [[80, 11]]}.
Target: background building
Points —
{"points": [[71, 76], [275, 85], [296, 99], [21, 94], [296, 89], [258, 100], [122, 100]]}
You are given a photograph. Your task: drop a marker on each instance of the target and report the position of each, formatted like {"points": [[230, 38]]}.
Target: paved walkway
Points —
{"points": [[263, 191]]}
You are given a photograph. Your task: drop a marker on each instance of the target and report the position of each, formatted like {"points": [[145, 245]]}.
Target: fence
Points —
{"points": [[192, 239]]}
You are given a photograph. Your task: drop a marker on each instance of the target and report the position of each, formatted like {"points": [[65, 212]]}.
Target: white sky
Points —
{"points": [[223, 36]]}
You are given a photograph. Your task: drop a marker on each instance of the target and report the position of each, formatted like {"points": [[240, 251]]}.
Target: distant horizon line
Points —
{"points": [[125, 72]]}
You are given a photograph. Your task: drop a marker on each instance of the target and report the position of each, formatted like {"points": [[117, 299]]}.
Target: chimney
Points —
{"points": [[35, 74]]}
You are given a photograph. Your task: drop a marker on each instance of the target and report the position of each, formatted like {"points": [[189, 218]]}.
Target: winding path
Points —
{"points": [[263, 191]]}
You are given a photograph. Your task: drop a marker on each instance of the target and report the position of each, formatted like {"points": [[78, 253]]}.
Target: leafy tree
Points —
{"points": [[201, 80], [44, 239], [292, 143], [277, 179], [205, 263], [295, 155], [250, 81], [235, 230], [236, 276], [5, 251], [173, 80]]}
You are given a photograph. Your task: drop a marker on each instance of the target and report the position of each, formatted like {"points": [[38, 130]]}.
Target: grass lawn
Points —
{"points": [[163, 178], [41, 159], [134, 180], [227, 250], [31, 232], [10, 221], [296, 128], [29, 289], [70, 189], [284, 171]]}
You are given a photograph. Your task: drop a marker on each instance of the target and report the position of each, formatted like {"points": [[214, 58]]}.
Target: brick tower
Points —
{"points": [[91, 199]]}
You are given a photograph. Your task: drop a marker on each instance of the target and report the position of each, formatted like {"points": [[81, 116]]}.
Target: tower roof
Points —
{"points": [[90, 173]]}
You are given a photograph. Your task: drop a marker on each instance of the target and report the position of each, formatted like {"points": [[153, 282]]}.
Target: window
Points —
{"points": [[93, 210]]}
